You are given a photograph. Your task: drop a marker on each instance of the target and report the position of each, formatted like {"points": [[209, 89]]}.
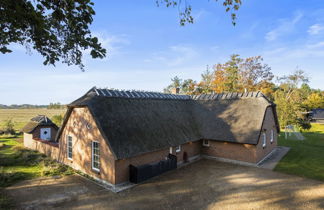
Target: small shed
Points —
{"points": [[41, 127], [317, 116]]}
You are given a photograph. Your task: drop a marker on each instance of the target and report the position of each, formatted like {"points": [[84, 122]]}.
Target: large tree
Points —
{"points": [[59, 29]]}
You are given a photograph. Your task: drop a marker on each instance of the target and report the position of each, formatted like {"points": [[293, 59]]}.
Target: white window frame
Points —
{"points": [[92, 156], [272, 136], [204, 143], [68, 138], [170, 150], [178, 148], [264, 140]]}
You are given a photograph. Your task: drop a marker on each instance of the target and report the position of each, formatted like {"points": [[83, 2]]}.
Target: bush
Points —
{"points": [[58, 120], [9, 127]]}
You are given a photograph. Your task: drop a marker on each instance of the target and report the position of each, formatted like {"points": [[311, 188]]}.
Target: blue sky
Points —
{"points": [[146, 47]]}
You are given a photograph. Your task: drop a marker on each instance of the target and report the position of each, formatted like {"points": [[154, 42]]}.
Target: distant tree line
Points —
{"points": [[22, 106], [57, 105], [291, 93]]}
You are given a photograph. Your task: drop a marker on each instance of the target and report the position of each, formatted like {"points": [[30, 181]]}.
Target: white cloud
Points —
{"points": [[316, 45], [174, 56], [285, 26], [315, 29]]}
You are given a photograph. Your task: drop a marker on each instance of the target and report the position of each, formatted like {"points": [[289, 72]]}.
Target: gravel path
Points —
{"points": [[205, 184]]}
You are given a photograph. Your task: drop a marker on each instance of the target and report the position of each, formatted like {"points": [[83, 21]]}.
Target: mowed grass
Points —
{"points": [[19, 163], [22, 116], [305, 158]]}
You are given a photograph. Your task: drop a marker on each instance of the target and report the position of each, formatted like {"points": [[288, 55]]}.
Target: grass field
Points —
{"points": [[305, 158], [21, 116]]}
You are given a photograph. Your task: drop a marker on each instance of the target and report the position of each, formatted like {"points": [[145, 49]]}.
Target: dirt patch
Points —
{"points": [[205, 184]]}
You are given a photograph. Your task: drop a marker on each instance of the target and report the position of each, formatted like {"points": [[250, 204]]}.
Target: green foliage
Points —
{"points": [[18, 163], [305, 158], [9, 127], [58, 30], [57, 119], [57, 105], [185, 9]]}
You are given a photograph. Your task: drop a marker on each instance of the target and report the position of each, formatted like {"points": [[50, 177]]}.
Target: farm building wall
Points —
{"points": [[83, 129], [43, 146], [268, 125], [192, 149], [246, 152], [36, 132]]}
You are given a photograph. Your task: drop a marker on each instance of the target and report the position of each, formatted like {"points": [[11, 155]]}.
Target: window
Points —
{"points": [[170, 150], [272, 136], [178, 148], [95, 156], [69, 147], [264, 142], [206, 143]]}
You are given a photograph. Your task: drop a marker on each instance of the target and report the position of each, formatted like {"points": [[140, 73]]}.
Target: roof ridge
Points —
{"points": [[106, 92]]}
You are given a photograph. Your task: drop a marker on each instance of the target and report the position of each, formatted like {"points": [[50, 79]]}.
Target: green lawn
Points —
{"points": [[305, 158], [18, 163]]}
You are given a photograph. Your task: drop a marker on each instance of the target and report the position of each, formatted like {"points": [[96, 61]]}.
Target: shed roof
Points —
{"points": [[141, 122], [317, 114], [40, 120]]}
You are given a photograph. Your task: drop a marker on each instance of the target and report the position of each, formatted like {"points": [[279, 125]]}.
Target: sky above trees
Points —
{"points": [[146, 47]]}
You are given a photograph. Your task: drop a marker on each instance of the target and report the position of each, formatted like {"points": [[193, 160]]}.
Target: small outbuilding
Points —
{"points": [[41, 128], [317, 116]]}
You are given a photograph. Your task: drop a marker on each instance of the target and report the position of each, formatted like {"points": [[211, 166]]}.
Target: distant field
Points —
{"points": [[21, 116]]}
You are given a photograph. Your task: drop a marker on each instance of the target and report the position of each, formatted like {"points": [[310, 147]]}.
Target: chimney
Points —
{"points": [[175, 90]]}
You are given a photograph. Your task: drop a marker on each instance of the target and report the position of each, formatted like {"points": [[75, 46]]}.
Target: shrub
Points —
{"points": [[57, 119], [9, 127]]}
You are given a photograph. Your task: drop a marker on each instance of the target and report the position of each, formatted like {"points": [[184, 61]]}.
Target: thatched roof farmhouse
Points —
{"points": [[137, 129]]}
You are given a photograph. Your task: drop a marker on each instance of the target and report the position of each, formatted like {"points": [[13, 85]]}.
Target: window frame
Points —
{"points": [[272, 136], [264, 140], [92, 156], [204, 144], [68, 147], [178, 149]]}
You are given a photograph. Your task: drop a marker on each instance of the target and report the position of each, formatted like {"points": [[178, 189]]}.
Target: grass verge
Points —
{"points": [[305, 158], [18, 163]]}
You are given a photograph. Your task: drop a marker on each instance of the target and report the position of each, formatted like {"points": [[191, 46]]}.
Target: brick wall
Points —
{"points": [[83, 130], [122, 166], [44, 147]]}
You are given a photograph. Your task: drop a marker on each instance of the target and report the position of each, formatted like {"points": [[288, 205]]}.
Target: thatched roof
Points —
{"points": [[138, 123], [39, 120]]}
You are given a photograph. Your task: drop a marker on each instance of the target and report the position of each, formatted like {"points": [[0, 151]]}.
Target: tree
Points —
{"points": [[313, 101], [176, 83], [289, 99], [185, 9], [9, 127], [205, 85], [58, 30]]}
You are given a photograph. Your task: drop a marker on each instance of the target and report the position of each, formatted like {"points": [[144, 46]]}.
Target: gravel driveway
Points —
{"points": [[206, 184]]}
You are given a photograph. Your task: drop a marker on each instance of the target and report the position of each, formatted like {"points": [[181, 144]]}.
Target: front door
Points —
{"points": [[45, 133]]}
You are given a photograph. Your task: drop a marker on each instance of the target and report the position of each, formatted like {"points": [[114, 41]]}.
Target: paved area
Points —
{"points": [[205, 184], [273, 159]]}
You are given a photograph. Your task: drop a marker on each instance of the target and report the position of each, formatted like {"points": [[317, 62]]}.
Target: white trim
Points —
{"points": [[272, 136], [170, 150], [178, 149], [204, 144], [264, 140], [67, 147], [92, 156]]}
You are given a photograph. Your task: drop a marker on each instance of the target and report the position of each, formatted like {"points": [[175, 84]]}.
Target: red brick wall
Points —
{"points": [[82, 137], [40, 146], [122, 166], [245, 152]]}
